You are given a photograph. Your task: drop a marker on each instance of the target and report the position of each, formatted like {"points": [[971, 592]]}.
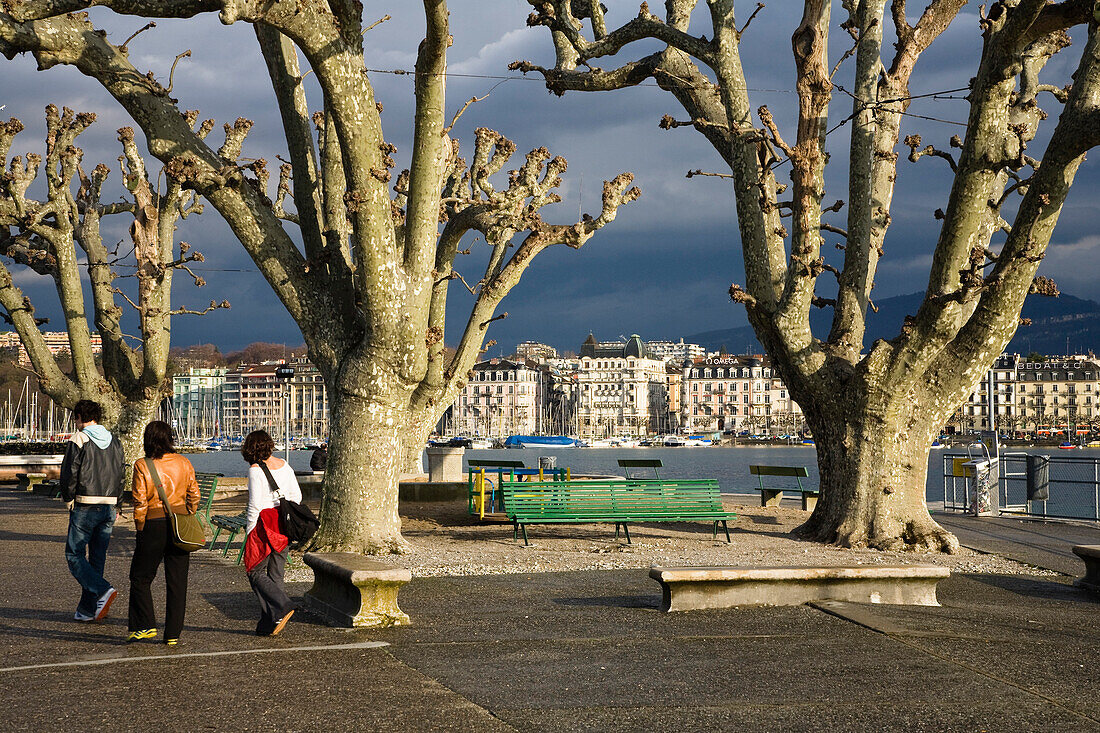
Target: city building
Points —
{"points": [[56, 341], [197, 411], [1059, 396], [621, 389], [255, 398], [737, 393], [667, 350], [535, 351], [504, 397], [995, 393]]}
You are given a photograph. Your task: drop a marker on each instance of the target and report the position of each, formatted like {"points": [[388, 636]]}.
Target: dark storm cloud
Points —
{"points": [[663, 267]]}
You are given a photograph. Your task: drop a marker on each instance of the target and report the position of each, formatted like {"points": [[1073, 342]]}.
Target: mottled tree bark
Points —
{"points": [[45, 236], [368, 288], [873, 408]]}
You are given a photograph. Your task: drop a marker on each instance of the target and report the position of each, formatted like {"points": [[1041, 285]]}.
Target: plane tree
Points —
{"points": [[368, 284], [873, 408], [59, 235]]}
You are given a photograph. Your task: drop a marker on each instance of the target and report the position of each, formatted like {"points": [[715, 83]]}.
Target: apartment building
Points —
{"points": [[254, 398], [197, 403], [504, 397], [678, 350], [56, 341], [1060, 395], [621, 389], [735, 393], [535, 351]]}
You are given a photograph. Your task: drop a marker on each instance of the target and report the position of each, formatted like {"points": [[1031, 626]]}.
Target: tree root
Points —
{"points": [[915, 535], [387, 545]]}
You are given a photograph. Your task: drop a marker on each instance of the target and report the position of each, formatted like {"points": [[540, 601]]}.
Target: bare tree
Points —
{"points": [[44, 235], [369, 291], [873, 413]]}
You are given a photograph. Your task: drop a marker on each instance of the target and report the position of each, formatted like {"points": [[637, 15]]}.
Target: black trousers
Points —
{"points": [[267, 583], [152, 548]]}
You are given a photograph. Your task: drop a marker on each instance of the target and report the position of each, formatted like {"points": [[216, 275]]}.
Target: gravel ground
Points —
{"points": [[445, 540]]}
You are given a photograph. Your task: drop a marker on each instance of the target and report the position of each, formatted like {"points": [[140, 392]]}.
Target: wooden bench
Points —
{"points": [[1090, 554], [623, 501], [772, 495], [686, 589], [351, 590], [629, 463], [27, 481], [234, 525]]}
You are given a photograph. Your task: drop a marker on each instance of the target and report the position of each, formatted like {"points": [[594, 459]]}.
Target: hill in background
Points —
{"points": [[1055, 322]]}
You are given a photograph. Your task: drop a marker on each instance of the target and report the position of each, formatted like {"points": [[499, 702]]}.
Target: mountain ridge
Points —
{"points": [[1054, 322]]}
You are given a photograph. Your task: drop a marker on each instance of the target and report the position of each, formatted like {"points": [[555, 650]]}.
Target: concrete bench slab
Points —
{"points": [[351, 590], [27, 481], [1091, 555], [686, 589]]}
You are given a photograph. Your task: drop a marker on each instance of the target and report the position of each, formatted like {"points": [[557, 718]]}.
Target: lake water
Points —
{"points": [[730, 465]]}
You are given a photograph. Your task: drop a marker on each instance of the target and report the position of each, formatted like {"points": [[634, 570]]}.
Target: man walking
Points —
{"points": [[92, 478]]}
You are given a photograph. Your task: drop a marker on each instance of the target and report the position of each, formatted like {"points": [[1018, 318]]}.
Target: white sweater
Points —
{"points": [[260, 494]]}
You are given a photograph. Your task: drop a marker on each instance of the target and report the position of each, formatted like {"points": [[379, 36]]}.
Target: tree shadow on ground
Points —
{"points": [[8, 536], [1052, 589], [648, 601]]}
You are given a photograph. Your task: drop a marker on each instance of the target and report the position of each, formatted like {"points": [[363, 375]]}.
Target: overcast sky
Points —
{"points": [[660, 270]]}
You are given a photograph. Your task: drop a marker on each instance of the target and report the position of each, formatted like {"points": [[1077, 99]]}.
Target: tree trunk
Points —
{"points": [[360, 508], [873, 465], [416, 438], [129, 428]]}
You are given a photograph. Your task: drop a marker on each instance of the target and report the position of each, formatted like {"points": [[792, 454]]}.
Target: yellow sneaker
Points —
{"points": [[140, 635], [171, 642]]}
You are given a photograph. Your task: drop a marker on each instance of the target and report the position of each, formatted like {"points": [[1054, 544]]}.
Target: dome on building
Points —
{"points": [[634, 347]]}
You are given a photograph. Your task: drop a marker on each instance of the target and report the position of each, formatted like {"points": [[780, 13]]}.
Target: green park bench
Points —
{"points": [[477, 474], [629, 463], [621, 501], [208, 484], [234, 525], [771, 495]]}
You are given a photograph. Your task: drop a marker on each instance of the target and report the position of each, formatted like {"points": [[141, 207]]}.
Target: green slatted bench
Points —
{"points": [[620, 502], [208, 484], [233, 525], [771, 495]]}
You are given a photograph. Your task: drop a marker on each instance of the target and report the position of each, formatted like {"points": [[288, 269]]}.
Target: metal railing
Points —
{"points": [[1074, 487]]}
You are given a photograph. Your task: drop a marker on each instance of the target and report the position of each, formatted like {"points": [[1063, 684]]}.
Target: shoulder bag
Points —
{"points": [[296, 521], [184, 530]]}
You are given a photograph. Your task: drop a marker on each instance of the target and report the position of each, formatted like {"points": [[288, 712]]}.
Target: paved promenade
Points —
{"points": [[554, 651]]}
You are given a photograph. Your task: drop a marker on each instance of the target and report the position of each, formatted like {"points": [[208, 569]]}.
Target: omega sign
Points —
{"points": [[721, 361]]}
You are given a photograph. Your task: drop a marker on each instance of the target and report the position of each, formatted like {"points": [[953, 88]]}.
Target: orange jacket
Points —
{"points": [[177, 476]]}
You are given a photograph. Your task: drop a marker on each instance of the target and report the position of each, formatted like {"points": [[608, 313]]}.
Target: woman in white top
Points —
{"points": [[266, 577]]}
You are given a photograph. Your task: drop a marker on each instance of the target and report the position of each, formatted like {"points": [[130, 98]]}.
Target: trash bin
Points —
{"points": [[1038, 478], [548, 463], [982, 488]]}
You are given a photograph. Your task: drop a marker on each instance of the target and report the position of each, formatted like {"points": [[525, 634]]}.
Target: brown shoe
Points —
{"points": [[282, 622]]}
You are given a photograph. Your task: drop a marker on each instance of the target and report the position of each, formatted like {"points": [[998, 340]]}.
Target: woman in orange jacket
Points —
{"points": [[177, 477]]}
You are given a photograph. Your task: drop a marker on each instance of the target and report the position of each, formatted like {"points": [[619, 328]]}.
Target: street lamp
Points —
{"points": [[284, 374]]}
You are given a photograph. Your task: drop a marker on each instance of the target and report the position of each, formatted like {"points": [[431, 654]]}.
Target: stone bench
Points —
{"points": [[27, 481], [1091, 555], [352, 590], [685, 589]]}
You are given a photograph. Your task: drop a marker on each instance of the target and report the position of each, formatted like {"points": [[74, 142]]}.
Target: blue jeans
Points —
{"points": [[90, 528]]}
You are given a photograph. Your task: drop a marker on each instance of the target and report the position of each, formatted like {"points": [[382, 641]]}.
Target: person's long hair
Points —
{"points": [[159, 439], [257, 447]]}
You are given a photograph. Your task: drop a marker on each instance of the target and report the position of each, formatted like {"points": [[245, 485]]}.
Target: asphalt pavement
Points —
{"points": [[554, 652]]}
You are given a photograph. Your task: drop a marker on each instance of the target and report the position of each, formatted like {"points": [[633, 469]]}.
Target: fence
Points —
{"points": [[1074, 487]]}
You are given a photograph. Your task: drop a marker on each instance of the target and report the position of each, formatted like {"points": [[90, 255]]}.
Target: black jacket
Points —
{"points": [[90, 474]]}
